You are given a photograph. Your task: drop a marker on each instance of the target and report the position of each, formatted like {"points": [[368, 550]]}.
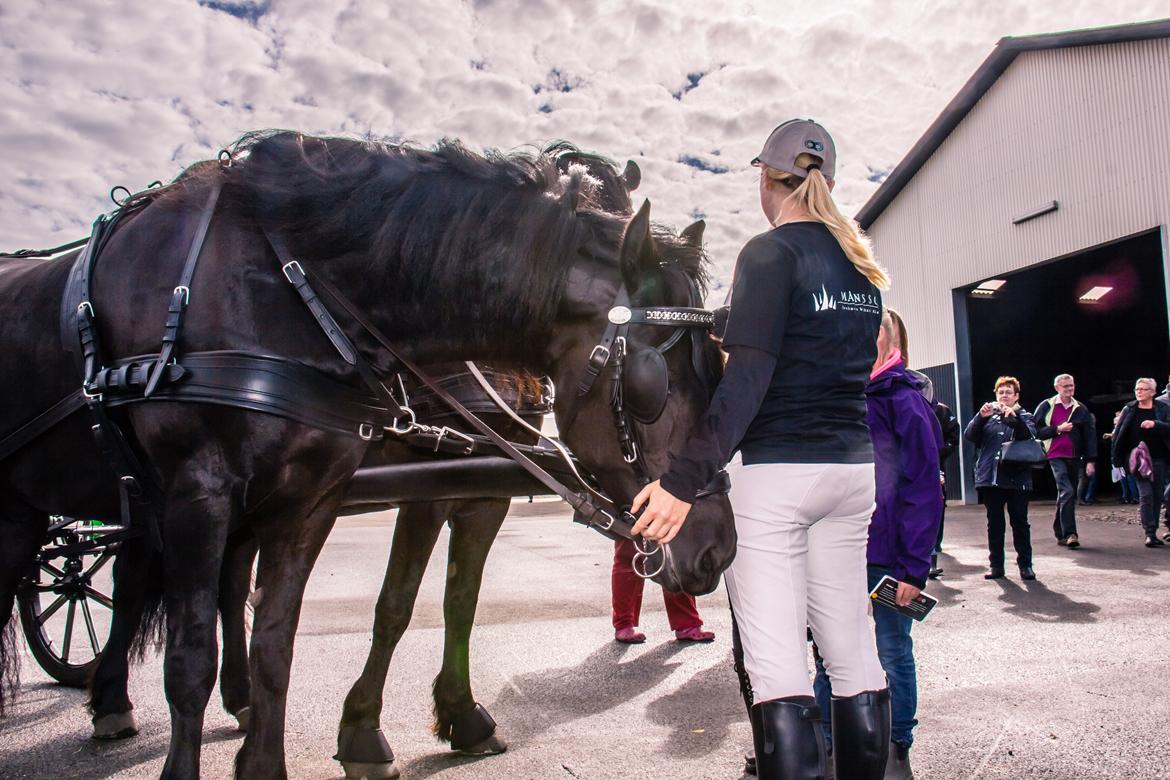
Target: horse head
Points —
{"points": [[662, 382]]}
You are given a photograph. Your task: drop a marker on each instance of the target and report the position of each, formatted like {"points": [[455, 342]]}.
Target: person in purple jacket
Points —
{"points": [[906, 443]]}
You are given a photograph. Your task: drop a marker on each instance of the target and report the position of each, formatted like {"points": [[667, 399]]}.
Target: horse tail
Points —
{"points": [[9, 663], [150, 634], [22, 530]]}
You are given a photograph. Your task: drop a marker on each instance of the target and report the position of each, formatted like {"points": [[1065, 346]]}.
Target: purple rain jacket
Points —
{"points": [[906, 443]]}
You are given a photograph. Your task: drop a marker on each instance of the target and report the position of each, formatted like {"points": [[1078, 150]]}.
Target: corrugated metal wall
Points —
{"points": [[1086, 126]]}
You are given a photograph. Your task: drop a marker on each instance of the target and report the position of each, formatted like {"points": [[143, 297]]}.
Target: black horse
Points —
{"points": [[479, 520], [455, 255], [459, 720]]}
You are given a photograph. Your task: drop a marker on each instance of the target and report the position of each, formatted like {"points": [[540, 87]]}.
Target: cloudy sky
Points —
{"points": [[94, 94]]}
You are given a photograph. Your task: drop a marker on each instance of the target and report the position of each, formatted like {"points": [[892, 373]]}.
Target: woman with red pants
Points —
{"points": [[627, 586]]}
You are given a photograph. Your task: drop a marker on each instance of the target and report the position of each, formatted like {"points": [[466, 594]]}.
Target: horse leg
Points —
{"points": [[235, 585], [22, 530], [361, 748], [288, 551], [194, 534], [109, 700], [458, 718]]}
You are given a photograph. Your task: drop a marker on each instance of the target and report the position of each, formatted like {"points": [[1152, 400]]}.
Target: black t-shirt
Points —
{"points": [[798, 297]]}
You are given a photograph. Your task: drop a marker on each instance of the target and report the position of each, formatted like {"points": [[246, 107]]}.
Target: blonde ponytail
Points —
{"points": [[812, 193]]}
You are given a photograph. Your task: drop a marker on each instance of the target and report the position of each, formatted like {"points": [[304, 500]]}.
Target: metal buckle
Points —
{"points": [[632, 457], [410, 426], [444, 432], [90, 396], [186, 293], [131, 485], [366, 432], [610, 518], [602, 350], [289, 265], [86, 305]]}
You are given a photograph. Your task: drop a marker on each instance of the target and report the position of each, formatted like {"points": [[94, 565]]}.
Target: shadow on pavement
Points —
{"points": [[1034, 601], [39, 702], [700, 712], [534, 703]]}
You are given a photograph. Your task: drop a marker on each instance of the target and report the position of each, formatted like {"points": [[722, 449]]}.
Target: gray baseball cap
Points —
{"points": [[794, 138]]}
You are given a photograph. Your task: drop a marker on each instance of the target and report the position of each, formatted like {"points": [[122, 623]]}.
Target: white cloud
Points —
{"points": [[94, 94]]}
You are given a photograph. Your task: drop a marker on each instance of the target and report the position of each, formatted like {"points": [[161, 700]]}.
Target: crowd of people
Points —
{"points": [[1062, 435]]}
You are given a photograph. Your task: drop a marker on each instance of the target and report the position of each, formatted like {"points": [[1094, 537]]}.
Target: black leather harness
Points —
{"points": [[287, 388]]}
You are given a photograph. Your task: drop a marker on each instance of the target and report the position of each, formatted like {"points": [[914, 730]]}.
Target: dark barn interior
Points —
{"points": [[1036, 326]]}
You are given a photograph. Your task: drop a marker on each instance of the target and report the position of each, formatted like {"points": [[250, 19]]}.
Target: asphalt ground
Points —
{"points": [[1064, 677]]}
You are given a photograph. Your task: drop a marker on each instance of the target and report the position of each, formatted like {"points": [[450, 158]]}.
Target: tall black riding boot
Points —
{"points": [[861, 735], [789, 742]]}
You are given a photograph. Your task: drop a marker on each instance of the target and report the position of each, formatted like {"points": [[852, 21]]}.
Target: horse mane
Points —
{"points": [[448, 232]]}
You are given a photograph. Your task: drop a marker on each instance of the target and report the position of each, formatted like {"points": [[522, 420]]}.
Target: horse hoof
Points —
{"points": [[116, 725], [243, 718], [488, 747], [360, 770]]}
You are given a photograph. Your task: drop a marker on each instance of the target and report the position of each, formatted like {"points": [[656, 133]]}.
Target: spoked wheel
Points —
{"points": [[67, 605]]}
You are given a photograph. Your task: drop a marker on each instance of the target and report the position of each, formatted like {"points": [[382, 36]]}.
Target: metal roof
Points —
{"points": [[997, 62]]}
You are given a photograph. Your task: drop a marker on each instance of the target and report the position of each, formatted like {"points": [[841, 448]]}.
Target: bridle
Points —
{"points": [[640, 384]]}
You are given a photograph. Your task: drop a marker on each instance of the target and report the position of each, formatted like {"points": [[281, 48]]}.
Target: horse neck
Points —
{"points": [[428, 327]]}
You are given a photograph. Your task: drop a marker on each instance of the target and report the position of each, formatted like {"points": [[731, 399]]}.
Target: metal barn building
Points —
{"points": [[1027, 230]]}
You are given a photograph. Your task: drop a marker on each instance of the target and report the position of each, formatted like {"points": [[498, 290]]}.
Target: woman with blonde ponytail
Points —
{"points": [[805, 312]]}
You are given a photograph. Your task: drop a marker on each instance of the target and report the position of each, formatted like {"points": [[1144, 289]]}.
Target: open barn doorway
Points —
{"points": [[1099, 315]]}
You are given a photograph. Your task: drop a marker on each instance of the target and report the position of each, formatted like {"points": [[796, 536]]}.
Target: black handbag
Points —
{"points": [[1023, 452]]}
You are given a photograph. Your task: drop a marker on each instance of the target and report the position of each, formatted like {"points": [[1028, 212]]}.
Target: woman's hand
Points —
{"points": [[906, 593], [664, 513], [1007, 412], [986, 410], [1147, 424]]}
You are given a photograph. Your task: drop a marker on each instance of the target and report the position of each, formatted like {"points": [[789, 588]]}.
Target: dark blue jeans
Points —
{"points": [[896, 652], [1066, 472]]}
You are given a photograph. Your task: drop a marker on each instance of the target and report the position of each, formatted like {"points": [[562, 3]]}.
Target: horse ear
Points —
{"points": [[576, 182], [633, 175], [693, 233], [637, 252]]}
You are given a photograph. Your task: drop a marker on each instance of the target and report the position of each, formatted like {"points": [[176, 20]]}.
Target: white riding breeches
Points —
{"points": [[801, 562]]}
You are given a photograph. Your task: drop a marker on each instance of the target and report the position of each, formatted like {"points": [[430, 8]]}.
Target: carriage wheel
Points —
{"points": [[66, 607]]}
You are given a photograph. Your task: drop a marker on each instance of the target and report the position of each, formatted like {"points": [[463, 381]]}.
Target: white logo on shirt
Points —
{"points": [[824, 301], [862, 302]]}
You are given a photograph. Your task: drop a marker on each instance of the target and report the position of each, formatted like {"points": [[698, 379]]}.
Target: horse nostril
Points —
{"points": [[707, 561]]}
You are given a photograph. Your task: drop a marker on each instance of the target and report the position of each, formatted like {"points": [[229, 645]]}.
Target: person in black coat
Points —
{"points": [[1003, 485], [1145, 421], [951, 432]]}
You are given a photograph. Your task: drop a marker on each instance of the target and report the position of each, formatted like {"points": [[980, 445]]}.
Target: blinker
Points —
{"points": [[645, 384]]}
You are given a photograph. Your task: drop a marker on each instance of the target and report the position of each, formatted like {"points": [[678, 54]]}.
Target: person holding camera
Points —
{"points": [[1003, 484]]}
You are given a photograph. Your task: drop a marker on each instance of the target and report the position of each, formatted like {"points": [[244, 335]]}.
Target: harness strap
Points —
{"points": [[181, 297], [47, 252], [607, 518], [295, 273], [599, 357], [41, 423]]}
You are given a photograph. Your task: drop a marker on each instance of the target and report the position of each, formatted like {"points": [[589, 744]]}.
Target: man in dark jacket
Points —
{"points": [[1068, 432], [906, 443]]}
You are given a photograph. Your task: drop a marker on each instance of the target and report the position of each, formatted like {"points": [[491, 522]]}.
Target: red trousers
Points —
{"points": [[627, 594]]}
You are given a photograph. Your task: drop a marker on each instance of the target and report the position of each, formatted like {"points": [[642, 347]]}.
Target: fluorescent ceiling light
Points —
{"points": [[989, 287], [1095, 294]]}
